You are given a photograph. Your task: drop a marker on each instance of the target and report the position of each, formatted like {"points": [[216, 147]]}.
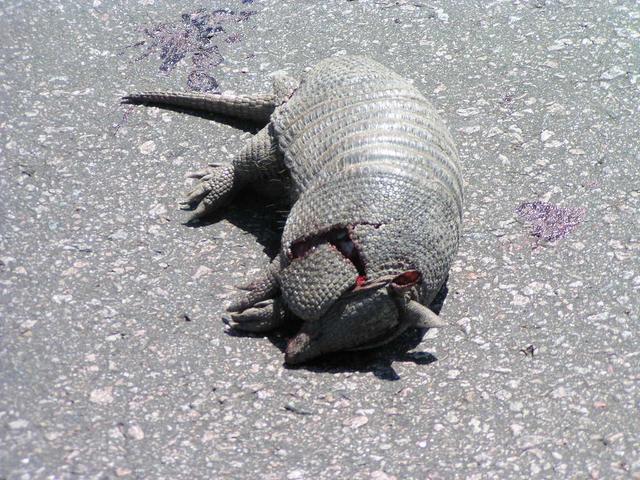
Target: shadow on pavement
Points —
{"points": [[378, 361], [256, 215]]}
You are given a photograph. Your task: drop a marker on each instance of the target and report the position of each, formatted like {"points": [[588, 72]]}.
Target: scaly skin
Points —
{"points": [[257, 108], [376, 193]]}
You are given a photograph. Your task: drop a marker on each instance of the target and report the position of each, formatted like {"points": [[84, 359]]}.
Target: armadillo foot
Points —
{"points": [[261, 317], [260, 308], [214, 188], [205, 172]]}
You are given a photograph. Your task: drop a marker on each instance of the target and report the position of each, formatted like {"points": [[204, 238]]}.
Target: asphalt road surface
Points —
{"points": [[113, 360]]}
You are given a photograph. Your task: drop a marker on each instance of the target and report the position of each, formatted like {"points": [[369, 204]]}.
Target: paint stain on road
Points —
{"points": [[194, 38], [548, 221]]}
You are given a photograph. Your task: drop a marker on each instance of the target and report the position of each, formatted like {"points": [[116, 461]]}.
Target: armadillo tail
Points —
{"points": [[257, 108]]}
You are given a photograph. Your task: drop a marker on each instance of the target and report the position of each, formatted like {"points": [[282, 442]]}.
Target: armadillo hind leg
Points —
{"points": [[260, 308], [257, 107], [283, 86], [258, 162]]}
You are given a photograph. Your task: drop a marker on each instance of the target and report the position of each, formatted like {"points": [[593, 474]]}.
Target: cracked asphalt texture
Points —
{"points": [[113, 359]]}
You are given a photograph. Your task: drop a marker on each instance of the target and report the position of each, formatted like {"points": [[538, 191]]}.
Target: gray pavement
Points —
{"points": [[113, 359]]}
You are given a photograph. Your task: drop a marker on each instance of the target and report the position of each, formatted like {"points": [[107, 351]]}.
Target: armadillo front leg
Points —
{"points": [[258, 162], [261, 308]]}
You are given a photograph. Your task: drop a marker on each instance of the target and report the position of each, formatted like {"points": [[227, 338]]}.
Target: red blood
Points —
{"points": [[361, 280], [408, 278]]}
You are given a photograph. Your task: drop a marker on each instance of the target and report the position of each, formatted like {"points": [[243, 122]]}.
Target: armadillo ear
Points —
{"points": [[406, 280], [420, 316]]}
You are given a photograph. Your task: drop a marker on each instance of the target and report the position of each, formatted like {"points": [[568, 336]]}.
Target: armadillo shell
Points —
{"points": [[369, 153], [311, 284]]}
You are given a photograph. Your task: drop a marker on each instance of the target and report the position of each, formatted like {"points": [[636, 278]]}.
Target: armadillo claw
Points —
{"points": [[261, 317], [263, 287], [214, 189], [198, 193], [205, 172]]}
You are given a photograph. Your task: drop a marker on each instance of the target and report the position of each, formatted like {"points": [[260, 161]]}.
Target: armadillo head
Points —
{"points": [[325, 285]]}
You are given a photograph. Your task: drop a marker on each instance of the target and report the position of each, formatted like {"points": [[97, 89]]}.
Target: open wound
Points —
{"points": [[341, 239]]}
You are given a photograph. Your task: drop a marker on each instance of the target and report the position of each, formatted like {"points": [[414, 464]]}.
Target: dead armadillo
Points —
{"points": [[376, 203]]}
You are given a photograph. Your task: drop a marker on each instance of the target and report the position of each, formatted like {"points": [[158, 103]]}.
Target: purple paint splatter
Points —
{"points": [[202, 82], [115, 128], [193, 37], [548, 221], [233, 38], [207, 58]]}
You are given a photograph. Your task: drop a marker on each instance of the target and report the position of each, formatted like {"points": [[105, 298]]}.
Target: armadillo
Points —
{"points": [[376, 194]]}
